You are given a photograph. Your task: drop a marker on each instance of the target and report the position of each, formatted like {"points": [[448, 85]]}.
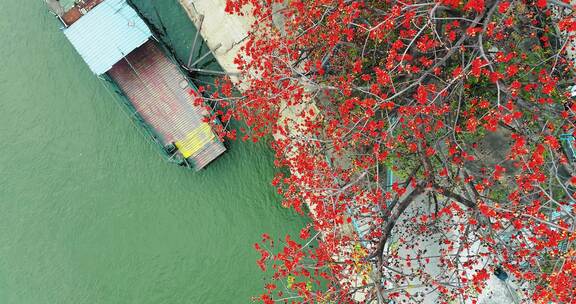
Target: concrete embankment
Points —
{"points": [[225, 34]]}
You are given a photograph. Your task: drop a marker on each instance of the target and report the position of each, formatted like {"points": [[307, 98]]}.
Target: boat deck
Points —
{"points": [[161, 95], [78, 10]]}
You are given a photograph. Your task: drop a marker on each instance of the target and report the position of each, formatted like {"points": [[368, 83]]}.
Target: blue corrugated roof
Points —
{"points": [[107, 33]]}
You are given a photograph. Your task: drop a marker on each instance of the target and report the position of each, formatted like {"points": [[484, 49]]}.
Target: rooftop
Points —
{"points": [[107, 33]]}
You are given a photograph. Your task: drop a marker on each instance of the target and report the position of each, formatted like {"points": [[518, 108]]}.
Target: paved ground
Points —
{"points": [[498, 292]]}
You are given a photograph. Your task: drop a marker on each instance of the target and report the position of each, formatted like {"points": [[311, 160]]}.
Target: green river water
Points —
{"points": [[89, 213]]}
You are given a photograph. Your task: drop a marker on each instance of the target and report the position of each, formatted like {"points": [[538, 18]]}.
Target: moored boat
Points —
{"points": [[117, 45]]}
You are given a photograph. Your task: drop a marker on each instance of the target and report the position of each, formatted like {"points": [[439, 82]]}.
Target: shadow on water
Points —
{"points": [[173, 27]]}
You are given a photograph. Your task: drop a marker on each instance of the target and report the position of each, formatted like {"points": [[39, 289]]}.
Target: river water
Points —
{"points": [[89, 213]]}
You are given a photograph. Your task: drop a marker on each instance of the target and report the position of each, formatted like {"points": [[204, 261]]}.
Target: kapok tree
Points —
{"points": [[463, 101]]}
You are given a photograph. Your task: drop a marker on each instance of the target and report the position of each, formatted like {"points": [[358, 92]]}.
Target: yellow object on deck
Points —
{"points": [[195, 140]]}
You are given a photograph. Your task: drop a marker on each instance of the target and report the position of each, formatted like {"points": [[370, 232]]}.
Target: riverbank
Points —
{"points": [[213, 33], [225, 34]]}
